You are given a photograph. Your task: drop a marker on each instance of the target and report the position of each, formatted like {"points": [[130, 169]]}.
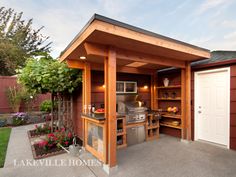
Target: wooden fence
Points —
{"points": [[10, 81]]}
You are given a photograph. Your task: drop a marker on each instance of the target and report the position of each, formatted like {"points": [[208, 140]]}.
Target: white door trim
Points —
{"points": [[196, 81]]}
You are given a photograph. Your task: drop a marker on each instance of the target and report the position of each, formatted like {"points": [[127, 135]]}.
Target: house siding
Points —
{"points": [[233, 107]]}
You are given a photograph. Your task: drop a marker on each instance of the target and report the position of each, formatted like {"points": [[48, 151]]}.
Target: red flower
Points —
{"points": [[43, 143], [36, 126], [66, 143], [51, 135], [62, 129], [69, 135]]}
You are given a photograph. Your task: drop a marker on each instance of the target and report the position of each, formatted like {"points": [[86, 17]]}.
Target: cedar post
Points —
{"points": [[188, 100], [183, 103], [110, 106], [86, 90], [106, 106], [153, 90]]}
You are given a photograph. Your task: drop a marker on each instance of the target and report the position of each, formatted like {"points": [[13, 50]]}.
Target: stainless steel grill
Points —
{"points": [[133, 109]]}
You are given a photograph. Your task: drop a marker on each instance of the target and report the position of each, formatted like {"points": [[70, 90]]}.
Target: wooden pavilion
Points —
{"points": [[112, 46]]}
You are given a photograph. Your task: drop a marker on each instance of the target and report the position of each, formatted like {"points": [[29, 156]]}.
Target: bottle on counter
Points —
{"points": [[93, 108]]}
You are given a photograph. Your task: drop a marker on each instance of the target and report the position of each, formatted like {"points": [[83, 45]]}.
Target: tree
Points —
{"points": [[18, 41], [47, 75]]}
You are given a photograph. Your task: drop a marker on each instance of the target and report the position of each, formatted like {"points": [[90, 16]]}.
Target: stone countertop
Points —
{"points": [[98, 117]]}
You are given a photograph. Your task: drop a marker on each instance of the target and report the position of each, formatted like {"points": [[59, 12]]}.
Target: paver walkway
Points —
{"points": [[167, 157]]}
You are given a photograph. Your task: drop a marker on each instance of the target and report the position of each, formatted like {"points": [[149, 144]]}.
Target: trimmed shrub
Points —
{"points": [[46, 106]]}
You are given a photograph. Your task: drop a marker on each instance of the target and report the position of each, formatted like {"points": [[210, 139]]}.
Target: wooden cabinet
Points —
{"points": [[126, 87], [152, 127], [95, 137], [121, 132]]}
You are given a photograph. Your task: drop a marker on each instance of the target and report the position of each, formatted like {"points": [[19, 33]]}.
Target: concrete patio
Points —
{"points": [[164, 158]]}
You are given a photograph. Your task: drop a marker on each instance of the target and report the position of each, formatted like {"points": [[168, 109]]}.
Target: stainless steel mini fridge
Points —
{"points": [[135, 135]]}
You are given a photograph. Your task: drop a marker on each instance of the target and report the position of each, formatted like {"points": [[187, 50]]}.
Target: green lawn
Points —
{"points": [[4, 137]]}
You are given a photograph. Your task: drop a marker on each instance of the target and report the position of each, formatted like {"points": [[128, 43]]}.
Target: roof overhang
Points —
{"points": [[132, 45]]}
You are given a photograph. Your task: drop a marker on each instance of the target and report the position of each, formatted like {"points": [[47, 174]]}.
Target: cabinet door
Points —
{"points": [[130, 87], [132, 136], [141, 134], [120, 87]]}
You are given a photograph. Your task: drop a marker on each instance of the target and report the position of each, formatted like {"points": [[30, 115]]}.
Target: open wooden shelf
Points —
{"points": [[120, 133], [172, 116], [170, 87], [119, 118], [171, 126], [153, 126], [121, 146], [169, 99], [121, 136]]}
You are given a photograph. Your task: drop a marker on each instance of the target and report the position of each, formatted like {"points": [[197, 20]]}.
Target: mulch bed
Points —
{"points": [[39, 153], [33, 133]]}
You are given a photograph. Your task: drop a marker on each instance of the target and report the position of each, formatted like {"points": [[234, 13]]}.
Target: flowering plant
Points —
{"points": [[65, 138], [43, 128], [20, 118]]}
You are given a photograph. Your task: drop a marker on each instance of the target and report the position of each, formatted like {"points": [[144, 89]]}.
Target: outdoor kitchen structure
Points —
{"points": [[132, 101]]}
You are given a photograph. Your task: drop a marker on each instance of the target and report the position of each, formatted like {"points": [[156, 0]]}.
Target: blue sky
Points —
{"points": [[206, 23]]}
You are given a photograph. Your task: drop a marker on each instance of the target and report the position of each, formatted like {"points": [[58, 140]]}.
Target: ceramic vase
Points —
{"points": [[166, 82]]}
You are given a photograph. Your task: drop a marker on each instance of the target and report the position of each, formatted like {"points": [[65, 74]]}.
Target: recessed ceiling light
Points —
{"points": [[82, 57]]}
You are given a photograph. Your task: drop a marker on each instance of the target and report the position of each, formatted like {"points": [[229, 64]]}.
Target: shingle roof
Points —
{"points": [[217, 56]]}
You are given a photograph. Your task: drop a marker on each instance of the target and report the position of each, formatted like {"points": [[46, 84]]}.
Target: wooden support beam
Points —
{"points": [[183, 103], [86, 92], [154, 105], [188, 101], [101, 50], [106, 107], [75, 64], [110, 103], [124, 69], [87, 84], [99, 67], [155, 92]]}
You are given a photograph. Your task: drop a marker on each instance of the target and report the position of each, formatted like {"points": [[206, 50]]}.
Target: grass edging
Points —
{"points": [[4, 137]]}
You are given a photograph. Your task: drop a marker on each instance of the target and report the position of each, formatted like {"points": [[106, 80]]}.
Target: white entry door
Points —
{"points": [[212, 92]]}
